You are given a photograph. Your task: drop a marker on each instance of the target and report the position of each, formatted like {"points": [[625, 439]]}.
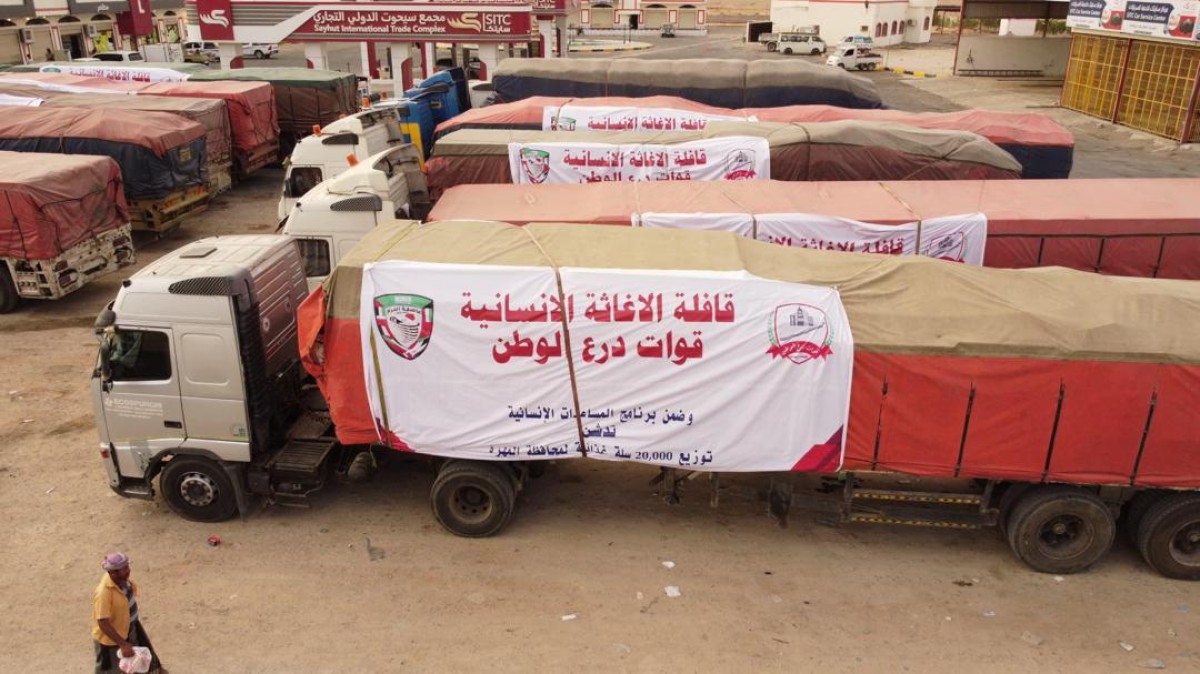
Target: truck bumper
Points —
{"points": [[62, 275], [130, 488]]}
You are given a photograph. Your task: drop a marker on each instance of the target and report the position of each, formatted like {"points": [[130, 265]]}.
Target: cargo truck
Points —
{"points": [[994, 383], [63, 222]]}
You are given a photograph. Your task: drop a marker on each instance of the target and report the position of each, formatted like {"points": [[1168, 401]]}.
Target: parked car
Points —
{"points": [[260, 50], [201, 52], [125, 56], [794, 43]]}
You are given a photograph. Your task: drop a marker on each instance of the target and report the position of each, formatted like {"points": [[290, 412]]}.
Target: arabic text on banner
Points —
{"points": [[728, 158], [149, 74], [957, 238], [614, 118], [718, 371]]}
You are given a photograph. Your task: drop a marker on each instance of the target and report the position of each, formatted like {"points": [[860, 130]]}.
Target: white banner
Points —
{"points": [[63, 88], [1173, 20], [116, 74], [717, 371], [610, 118], [729, 158], [21, 101], [739, 223], [958, 238]]}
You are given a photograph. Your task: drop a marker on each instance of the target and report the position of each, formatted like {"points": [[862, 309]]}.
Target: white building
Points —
{"points": [[887, 22], [647, 16]]}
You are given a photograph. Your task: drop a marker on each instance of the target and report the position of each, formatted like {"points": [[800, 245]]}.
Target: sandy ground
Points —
{"points": [[365, 580]]}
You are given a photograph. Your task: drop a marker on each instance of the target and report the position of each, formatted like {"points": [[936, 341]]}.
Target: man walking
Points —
{"points": [[115, 625]]}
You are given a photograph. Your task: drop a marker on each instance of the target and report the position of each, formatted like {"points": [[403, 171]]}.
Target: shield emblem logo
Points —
{"points": [[799, 333], [535, 164], [948, 247], [741, 166], [405, 323]]}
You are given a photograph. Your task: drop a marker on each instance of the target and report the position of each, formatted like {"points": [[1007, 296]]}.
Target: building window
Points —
{"points": [[926, 23], [879, 30], [894, 28]]}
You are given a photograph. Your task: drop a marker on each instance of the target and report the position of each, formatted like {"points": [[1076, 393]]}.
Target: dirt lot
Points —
{"points": [[366, 581]]}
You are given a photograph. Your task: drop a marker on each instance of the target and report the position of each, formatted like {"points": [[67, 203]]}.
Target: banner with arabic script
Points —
{"points": [[727, 158], [118, 74], [957, 238], [1171, 20], [613, 118], [719, 371]]}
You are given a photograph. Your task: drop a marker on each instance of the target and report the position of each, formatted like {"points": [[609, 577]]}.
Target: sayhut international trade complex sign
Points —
{"points": [[266, 21]]}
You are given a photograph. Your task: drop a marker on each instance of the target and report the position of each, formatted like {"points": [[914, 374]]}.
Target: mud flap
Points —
{"points": [[237, 475]]}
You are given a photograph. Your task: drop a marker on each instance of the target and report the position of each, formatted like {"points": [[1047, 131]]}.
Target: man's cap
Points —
{"points": [[115, 561]]}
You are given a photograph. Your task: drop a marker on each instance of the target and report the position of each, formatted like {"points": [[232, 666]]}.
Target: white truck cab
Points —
{"points": [[198, 362], [332, 217], [325, 153]]}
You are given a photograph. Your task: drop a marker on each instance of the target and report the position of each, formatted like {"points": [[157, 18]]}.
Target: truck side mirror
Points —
{"points": [[104, 330]]}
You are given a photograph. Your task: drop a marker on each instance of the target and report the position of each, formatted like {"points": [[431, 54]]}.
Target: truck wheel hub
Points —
{"points": [[472, 503], [1185, 546], [198, 489]]}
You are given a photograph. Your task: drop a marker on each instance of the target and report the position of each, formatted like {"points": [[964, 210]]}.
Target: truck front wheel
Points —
{"points": [[771, 46], [1169, 536], [473, 498], [1060, 529], [198, 489]]}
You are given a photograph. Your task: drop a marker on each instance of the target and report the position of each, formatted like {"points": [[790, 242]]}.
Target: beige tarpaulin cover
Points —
{"points": [[909, 304], [962, 146], [763, 83]]}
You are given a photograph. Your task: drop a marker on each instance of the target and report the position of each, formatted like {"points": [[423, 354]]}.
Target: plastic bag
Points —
{"points": [[138, 664]]}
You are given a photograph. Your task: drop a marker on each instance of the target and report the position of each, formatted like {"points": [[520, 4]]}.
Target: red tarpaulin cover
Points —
{"points": [[51, 202], [251, 105], [1124, 227]]}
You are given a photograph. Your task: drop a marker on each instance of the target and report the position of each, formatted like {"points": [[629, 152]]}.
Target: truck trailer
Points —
{"points": [[161, 155], [722, 151], [1044, 147], [691, 352], [1122, 227], [63, 222]]}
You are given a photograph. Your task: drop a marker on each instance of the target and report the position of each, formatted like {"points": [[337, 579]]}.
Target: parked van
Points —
{"points": [[795, 43]]}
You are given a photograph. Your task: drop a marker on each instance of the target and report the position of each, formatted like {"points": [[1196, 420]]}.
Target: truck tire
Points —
{"points": [[1060, 529], [258, 54], [1169, 536], [771, 46], [814, 52], [9, 299], [788, 51], [473, 499], [1135, 512], [198, 489]]}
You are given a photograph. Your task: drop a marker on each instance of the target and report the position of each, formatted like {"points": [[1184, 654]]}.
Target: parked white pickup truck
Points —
{"points": [[851, 57]]}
